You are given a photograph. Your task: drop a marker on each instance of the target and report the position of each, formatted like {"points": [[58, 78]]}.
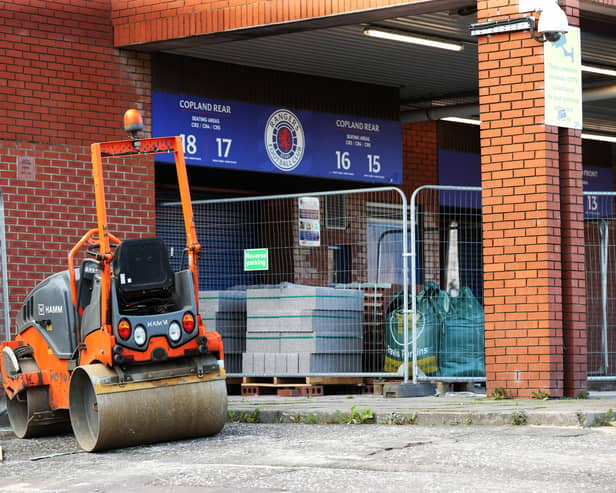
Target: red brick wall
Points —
{"points": [[529, 281], [62, 87], [155, 20], [62, 80]]}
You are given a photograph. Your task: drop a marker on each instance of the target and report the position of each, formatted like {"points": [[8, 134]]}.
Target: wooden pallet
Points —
{"points": [[283, 390], [283, 387], [293, 386]]}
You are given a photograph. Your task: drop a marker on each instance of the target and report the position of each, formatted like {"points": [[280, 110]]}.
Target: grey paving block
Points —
{"points": [[258, 362], [311, 342], [248, 362], [292, 363], [270, 363], [271, 300], [226, 323], [305, 320], [222, 301], [280, 363], [261, 323], [303, 360], [234, 344], [263, 342], [330, 363]]}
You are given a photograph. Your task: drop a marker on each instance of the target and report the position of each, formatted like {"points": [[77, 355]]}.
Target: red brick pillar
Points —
{"points": [[420, 167], [533, 258], [420, 155]]}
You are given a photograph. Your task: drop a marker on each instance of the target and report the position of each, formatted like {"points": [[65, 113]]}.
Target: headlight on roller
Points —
{"points": [[140, 335], [175, 331]]}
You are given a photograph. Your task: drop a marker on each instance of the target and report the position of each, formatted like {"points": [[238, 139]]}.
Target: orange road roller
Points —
{"points": [[116, 348]]}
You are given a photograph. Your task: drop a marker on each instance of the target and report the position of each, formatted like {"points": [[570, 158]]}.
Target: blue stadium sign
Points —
{"points": [[244, 136]]}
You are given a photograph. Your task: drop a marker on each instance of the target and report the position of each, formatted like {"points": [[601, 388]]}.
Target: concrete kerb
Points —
{"points": [[449, 410]]}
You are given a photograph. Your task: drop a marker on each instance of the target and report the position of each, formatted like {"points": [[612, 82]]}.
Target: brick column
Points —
{"points": [[420, 167], [533, 259]]}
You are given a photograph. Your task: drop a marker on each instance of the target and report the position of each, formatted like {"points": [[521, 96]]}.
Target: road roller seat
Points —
{"points": [[142, 271]]}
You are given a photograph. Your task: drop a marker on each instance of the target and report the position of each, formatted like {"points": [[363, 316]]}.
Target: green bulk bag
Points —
{"points": [[462, 343], [432, 306]]}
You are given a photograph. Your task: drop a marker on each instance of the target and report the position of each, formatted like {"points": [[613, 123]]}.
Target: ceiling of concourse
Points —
{"points": [[427, 77]]}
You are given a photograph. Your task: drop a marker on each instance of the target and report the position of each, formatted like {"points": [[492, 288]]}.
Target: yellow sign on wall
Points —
{"points": [[563, 80]]}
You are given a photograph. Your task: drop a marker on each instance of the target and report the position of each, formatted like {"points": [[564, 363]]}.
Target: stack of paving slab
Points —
{"points": [[225, 312], [296, 330]]}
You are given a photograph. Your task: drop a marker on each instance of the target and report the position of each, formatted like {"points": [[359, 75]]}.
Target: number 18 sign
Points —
{"points": [[245, 136]]}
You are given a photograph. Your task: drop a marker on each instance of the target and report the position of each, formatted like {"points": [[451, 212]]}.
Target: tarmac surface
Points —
{"points": [[463, 442], [455, 408]]}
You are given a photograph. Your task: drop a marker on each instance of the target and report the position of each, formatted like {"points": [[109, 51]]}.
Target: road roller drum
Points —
{"points": [[106, 414]]}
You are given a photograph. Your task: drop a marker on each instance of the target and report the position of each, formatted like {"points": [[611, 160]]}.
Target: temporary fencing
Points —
{"points": [[321, 283], [600, 260], [300, 284], [447, 264], [4, 286]]}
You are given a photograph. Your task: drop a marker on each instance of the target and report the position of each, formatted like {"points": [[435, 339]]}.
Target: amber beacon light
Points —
{"points": [[133, 122]]}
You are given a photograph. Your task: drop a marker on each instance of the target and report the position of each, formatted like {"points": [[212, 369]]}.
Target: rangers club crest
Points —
{"points": [[284, 140]]}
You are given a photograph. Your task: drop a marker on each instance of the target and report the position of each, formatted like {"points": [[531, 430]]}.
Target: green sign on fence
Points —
{"points": [[256, 259]]}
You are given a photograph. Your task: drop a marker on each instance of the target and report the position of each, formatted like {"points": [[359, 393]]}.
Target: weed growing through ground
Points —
{"points": [[400, 419], [242, 417], [339, 418], [500, 393], [519, 417], [360, 417], [540, 395], [607, 419]]}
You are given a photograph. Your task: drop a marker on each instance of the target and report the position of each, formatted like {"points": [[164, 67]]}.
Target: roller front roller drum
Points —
{"points": [[112, 415]]}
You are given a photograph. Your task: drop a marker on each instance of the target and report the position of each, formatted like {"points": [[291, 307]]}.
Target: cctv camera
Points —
{"points": [[552, 36], [552, 21]]}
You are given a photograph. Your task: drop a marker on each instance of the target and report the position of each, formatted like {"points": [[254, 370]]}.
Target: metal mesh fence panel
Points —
{"points": [[600, 260], [298, 284], [4, 286], [447, 284]]}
